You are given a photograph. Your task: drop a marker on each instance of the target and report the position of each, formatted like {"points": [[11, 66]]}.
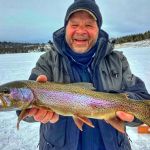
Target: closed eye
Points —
{"points": [[89, 26], [74, 26]]}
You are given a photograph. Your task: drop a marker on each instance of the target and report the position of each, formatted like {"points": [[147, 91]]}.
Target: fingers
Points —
{"points": [[50, 117], [125, 116], [42, 115], [54, 118], [47, 117], [41, 78]]}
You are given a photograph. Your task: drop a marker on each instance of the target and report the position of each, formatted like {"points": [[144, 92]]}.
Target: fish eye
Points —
{"points": [[5, 90]]}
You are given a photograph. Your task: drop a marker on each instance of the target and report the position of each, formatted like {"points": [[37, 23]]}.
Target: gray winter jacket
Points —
{"points": [[110, 72]]}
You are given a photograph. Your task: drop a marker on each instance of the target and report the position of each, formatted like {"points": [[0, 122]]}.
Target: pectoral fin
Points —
{"points": [[22, 115], [117, 124]]}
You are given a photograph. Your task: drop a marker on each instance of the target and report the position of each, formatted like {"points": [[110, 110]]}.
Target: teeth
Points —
{"points": [[80, 39]]}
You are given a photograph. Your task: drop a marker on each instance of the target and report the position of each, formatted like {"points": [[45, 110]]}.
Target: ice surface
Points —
{"points": [[18, 67]]}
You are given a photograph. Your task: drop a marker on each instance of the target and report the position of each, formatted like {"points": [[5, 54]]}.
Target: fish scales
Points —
{"points": [[73, 100], [78, 99]]}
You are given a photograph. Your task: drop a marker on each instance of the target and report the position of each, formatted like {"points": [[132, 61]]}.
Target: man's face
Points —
{"points": [[81, 31]]}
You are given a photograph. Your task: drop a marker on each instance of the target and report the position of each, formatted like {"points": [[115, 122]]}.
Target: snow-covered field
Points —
{"points": [[18, 67], [138, 44]]}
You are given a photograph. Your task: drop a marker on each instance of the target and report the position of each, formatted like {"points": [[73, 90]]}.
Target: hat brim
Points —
{"points": [[82, 9]]}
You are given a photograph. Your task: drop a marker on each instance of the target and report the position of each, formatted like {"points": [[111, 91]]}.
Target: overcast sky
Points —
{"points": [[36, 20]]}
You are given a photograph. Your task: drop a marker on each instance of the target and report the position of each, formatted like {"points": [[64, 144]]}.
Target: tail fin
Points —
{"points": [[147, 121], [146, 112], [141, 110]]}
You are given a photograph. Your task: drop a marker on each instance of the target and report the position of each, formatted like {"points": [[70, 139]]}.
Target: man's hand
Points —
{"points": [[118, 121], [124, 116], [41, 114]]}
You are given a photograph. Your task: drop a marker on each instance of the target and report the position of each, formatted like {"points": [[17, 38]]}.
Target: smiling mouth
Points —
{"points": [[80, 41]]}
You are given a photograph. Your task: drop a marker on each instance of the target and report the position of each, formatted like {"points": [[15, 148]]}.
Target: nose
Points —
{"points": [[81, 29]]}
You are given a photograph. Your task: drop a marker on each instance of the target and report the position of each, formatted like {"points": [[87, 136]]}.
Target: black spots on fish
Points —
{"points": [[140, 110], [94, 106], [147, 102]]}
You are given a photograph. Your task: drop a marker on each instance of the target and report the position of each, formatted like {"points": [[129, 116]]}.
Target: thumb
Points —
{"points": [[41, 78], [125, 116]]}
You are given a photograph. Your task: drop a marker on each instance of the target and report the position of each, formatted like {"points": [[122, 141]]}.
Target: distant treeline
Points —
{"points": [[13, 47], [133, 38]]}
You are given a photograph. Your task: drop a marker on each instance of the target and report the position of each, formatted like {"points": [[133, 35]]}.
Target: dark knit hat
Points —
{"points": [[86, 5]]}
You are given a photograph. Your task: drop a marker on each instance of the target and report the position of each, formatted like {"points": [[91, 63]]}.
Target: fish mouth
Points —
{"points": [[1, 103], [4, 97]]}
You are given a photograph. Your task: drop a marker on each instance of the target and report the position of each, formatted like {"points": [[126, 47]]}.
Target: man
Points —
{"points": [[81, 52]]}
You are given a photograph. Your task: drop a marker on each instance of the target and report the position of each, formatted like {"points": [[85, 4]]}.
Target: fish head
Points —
{"points": [[14, 96]]}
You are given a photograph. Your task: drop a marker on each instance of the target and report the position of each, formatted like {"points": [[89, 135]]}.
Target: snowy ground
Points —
{"points": [[144, 43], [18, 67], [138, 141]]}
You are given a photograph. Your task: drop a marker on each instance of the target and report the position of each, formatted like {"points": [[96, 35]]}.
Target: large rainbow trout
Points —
{"points": [[78, 100]]}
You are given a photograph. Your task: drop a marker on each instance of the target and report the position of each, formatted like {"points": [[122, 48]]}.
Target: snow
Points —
{"points": [[138, 44], [138, 141], [18, 67]]}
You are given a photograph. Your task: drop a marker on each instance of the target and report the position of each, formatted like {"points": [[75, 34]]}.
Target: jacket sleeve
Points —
{"points": [[134, 87], [43, 67]]}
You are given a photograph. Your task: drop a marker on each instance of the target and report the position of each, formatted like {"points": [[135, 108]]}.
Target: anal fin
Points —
{"points": [[117, 124], [85, 120]]}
